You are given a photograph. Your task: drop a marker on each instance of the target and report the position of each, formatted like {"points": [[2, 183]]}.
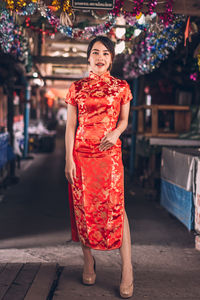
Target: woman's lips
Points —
{"points": [[99, 65]]}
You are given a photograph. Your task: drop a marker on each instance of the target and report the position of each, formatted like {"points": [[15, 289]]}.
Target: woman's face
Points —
{"points": [[100, 58]]}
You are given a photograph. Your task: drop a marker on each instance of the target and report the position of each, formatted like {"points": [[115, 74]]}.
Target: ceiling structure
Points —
{"points": [[61, 60]]}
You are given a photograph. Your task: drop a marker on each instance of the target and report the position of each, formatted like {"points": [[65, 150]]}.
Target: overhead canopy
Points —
{"points": [[185, 7]]}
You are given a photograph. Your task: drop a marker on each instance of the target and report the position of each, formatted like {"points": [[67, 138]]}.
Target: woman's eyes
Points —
{"points": [[95, 52]]}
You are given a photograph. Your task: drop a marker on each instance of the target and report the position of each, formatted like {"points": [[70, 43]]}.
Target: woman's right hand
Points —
{"points": [[70, 170]]}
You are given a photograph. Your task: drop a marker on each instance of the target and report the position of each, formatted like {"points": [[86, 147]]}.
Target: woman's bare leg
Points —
{"points": [[88, 259], [125, 252]]}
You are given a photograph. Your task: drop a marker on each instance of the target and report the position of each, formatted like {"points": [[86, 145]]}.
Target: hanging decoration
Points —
{"points": [[20, 4], [117, 9], [85, 33], [10, 4], [155, 47], [6, 30], [65, 19], [194, 76], [29, 25], [168, 16], [137, 8], [13, 41], [16, 5], [63, 5], [28, 10], [56, 4], [64, 23], [131, 30], [53, 20], [151, 6], [90, 31], [66, 11]]}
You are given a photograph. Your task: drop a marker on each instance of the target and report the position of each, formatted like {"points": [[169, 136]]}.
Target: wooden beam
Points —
{"points": [[60, 60], [59, 78]]}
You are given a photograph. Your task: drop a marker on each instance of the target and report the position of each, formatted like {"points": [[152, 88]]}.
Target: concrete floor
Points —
{"points": [[34, 227]]}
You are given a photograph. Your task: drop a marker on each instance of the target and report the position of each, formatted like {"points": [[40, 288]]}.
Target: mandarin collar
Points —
{"points": [[103, 76]]}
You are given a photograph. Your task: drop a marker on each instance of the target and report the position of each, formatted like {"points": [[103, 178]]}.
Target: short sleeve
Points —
{"points": [[126, 95], [71, 95]]}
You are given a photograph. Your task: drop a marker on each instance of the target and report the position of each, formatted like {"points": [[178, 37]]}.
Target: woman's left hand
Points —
{"points": [[109, 140]]}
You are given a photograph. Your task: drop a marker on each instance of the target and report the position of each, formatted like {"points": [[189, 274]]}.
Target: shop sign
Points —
{"points": [[94, 4]]}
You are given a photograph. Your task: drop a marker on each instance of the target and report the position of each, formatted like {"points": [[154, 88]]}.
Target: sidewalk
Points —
{"points": [[34, 218]]}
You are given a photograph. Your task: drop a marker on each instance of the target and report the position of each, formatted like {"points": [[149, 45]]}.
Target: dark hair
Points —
{"points": [[106, 42]]}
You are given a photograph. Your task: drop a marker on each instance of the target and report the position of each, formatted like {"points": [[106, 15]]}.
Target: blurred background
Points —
{"points": [[43, 48]]}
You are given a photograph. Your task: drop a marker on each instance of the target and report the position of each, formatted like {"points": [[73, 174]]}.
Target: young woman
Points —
{"points": [[100, 105]]}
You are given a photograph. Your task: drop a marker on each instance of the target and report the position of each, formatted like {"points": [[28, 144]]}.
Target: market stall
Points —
{"points": [[180, 185]]}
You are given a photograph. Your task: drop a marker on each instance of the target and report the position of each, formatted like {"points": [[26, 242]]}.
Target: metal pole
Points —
{"points": [[26, 118], [133, 135]]}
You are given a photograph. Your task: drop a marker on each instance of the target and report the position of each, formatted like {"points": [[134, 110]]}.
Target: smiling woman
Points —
{"points": [[100, 58], [94, 166], [102, 54]]}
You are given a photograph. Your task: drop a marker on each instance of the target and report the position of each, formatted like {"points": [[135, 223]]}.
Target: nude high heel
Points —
{"points": [[126, 291], [89, 278]]}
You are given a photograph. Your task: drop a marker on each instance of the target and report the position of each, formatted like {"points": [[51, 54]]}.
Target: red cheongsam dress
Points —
{"points": [[97, 206]]}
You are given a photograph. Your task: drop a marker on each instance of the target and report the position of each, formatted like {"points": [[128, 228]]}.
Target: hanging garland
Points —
{"points": [[88, 32], [29, 25], [131, 30], [54, 21], [117, 9], [153, 49], [6, 31], [168, 16], [63, 5], [12, 40], [16, 5], [137, 8], [152, 6]]}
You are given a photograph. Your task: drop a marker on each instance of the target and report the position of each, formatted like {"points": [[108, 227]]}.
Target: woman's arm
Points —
{"points": [[70, 167], [123, 118], [111, 138]]}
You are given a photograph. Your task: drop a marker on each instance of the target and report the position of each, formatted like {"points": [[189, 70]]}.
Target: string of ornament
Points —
{"points": [[7, 31], [66, 8], [29, 25], [154, 48], [166, 17], [13, 41], [87, 32]]}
